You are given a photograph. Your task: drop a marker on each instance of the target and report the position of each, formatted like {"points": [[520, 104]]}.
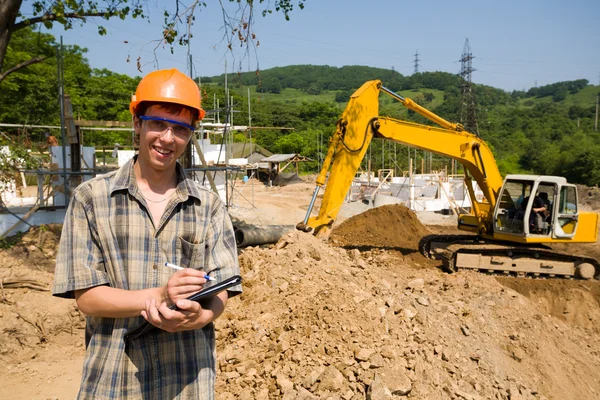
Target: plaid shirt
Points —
{"points": [[109, 238]]}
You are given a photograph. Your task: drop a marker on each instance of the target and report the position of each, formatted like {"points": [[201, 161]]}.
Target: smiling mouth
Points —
{"points": [[162, 151]]}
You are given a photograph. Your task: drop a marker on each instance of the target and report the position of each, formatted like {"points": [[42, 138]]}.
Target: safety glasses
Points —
{"points": [[157, 124]]}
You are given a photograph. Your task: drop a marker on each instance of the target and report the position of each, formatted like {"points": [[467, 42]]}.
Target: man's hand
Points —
{"points": [[182, 285], [190, 315]]}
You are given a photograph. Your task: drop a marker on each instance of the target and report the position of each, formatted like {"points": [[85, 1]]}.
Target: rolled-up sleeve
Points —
{"points": [[79, 262], [221, 250]]}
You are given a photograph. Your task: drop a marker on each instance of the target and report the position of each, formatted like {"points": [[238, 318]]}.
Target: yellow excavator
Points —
{"points": [[511, 226]]}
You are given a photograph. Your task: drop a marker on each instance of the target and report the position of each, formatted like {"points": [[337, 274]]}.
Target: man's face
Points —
{"points": [[160, 146]]}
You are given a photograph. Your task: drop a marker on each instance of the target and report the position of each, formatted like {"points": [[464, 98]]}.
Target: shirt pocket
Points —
{"points": [[190, 255]]}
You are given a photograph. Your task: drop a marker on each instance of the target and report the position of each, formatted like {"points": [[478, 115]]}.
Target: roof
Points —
{"points": [[279, 158], [242, 150], [255, 157], [275, 158]]}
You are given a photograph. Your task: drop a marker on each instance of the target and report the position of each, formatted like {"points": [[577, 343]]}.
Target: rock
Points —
{"points": [[262, 394], [388, 353], [423, 301], [514, 392], [409, 314], [284, 384], [377, 390], [284, 346], [464, 395], [516, 353], [331, 379], [363, 354], [476, 356], [291, 395], [354, 254], [376, 361], [311, 378], [416, 284], [445, 355], [304, 394], [395, 379], [284, 286], [232, 375]]}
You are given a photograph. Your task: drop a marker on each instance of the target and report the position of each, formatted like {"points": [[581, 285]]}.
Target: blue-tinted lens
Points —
{"points": [[158, 124]]}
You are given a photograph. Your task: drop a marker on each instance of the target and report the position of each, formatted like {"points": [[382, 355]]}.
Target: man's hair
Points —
{"points": [[172, 108], [544, 195]]}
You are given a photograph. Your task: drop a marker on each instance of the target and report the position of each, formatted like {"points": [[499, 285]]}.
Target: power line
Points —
{"points": [[416, 62], [468, 116]]}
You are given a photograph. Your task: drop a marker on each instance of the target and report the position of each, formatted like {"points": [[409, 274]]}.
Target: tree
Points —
{"points": [[270, 85], [175, 30], [343, 96]]}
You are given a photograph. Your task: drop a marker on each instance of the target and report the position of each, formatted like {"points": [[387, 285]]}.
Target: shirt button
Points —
{"points": [[155, 266]]}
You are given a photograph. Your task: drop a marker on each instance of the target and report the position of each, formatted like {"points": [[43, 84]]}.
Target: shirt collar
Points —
{"points": [[125, 180]]}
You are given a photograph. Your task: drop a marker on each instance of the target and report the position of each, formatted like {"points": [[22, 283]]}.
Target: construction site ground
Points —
{"points": [[362, 315]]}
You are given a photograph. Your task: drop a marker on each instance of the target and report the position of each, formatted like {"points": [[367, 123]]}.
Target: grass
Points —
{"points": [[585, 98]]}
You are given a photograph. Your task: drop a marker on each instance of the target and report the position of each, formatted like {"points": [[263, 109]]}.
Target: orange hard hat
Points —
{"points": [[168, 86]]}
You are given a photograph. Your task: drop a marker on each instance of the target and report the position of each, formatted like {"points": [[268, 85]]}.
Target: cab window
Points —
{"points": [[568, 200]]}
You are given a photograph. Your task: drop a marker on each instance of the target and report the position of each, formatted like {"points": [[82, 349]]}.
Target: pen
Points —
{"points": [[178, 268]]}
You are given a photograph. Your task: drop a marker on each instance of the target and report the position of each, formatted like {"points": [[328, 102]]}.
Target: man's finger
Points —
{"points": [[186, 290], [153, 313], [188, 305]]}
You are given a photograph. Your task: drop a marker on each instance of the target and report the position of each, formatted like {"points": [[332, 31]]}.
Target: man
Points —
{"points": [[537, 214], [50, 140], [120, 230]]}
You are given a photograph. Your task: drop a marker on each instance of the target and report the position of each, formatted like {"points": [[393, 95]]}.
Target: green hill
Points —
{"points": [[546, 130]]}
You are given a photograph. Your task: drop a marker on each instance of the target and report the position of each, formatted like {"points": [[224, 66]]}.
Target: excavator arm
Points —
{"points": [[360, 122]]}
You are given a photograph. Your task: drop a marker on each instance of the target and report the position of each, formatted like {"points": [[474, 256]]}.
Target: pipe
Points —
{"points": [[251, 235], [311, 205]]}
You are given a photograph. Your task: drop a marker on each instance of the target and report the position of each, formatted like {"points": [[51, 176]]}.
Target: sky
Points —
{"points": [[516, 45]]}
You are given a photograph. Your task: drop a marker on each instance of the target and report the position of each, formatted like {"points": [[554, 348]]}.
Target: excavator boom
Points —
{"points": [[360, 122]]}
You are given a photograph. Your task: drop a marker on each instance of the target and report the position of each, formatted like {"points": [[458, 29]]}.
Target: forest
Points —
{"points": [[545, 130]]}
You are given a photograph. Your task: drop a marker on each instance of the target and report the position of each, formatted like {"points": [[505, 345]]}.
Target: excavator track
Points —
{"points": [[428, 244], [518, 260]]}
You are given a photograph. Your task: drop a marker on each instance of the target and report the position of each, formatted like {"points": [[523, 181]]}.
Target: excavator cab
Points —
{"points": [[536, 207]]}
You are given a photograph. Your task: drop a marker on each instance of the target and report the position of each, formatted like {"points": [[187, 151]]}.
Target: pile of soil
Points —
{"points": [[322, 322], [34, 326], [36, 247], [573, 301], [389, 227]]}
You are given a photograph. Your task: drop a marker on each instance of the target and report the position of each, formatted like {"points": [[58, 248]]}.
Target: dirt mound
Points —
{"points": [[37, 247], [31, 320], [390, 226], [576, 302], [322, 322]]}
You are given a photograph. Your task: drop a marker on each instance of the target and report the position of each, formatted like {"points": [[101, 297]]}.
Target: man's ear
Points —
{"points": [[137, 123]]}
